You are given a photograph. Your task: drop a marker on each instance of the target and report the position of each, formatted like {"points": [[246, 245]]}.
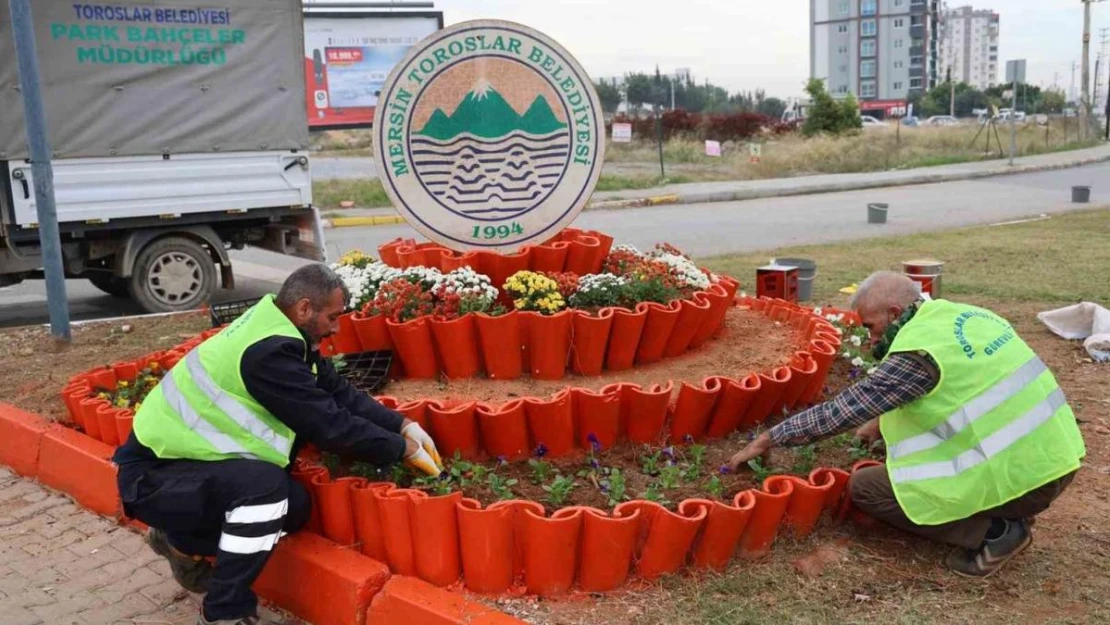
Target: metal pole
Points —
{"points": [[35, 121], [1107, 136], [1013, 121], [951, 94], [1085, 77], [659, 137]]}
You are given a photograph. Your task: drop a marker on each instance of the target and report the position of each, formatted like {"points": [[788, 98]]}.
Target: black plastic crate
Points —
{"points": [[367, 371], [227, 312]]}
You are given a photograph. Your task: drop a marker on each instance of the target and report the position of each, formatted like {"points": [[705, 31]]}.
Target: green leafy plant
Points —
{"points": [[805, 458], [467, 473], [860, 449], [559, 489], [669, 476], [442, 485], [650, 464], [655, 493], [697, 462], [761, 471], [614, 486], [541, 470], [500, 486], [339, 362], [715, 487]]}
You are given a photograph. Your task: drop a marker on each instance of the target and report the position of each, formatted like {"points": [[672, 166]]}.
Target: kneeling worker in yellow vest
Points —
{"points": [[979, 438], [207, 466]]}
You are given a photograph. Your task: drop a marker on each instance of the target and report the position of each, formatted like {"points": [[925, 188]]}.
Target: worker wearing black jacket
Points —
{"points": [[207, 464]]}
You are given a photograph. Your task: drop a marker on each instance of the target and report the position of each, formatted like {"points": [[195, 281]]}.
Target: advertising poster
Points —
{"points": [[348, 57]]}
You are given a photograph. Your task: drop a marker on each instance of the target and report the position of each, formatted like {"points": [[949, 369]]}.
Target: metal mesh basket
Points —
{"points": [[366, 371], [227, 312]]}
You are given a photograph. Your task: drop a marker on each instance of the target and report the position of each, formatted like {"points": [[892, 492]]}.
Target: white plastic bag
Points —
{"points": [[1087, 321]]}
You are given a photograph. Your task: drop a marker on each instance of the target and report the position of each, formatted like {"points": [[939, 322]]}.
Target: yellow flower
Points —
{"points": [[519, 303], [138, 405], [102, 395], [153, 366], [123, 383]]}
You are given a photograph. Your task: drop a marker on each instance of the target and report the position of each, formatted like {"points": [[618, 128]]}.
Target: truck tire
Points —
{"points": [[172, 274], [112, 285]]}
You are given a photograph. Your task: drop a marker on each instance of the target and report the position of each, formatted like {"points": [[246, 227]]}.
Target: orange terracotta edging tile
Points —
{"points": [[410, 601], [21, 439], [320, 581], [80, 466]]}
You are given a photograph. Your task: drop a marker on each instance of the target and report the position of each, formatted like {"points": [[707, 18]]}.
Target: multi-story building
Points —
{"points": [[969, 46], [881, 51]]}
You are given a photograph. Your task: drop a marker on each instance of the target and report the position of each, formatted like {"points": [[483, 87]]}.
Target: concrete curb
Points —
{"points": [[738, 195]]}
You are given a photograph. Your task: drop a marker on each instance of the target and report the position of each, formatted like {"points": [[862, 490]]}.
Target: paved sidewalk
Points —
{"points": [[63, 565]]}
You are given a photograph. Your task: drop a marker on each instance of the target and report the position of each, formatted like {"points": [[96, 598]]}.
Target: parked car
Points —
{"points": [[872, 122], [942, 120]]}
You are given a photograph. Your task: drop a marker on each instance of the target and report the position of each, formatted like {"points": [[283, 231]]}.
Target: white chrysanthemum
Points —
{"points": [[687, 272], [597, 281], [855, 340], [466, 282], [625, 247], [857, 362]]}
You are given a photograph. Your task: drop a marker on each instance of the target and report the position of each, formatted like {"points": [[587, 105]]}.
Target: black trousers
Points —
{"points": [[235, 510]]}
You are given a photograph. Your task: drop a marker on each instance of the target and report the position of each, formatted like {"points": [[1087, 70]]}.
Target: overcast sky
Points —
{"points": [[747, 44]]}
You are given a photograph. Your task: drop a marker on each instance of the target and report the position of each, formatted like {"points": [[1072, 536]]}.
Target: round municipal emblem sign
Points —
{"points": [[488, 135]]}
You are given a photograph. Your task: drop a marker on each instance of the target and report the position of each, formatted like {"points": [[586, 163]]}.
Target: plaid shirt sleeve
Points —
{"points": [[899, 380]]}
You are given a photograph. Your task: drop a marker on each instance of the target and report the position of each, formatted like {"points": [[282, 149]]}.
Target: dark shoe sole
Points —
{"points": [[192, 575], [1000, 563]]}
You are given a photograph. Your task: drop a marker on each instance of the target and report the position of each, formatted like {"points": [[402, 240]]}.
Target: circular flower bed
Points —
{"points": [[632, 473]]}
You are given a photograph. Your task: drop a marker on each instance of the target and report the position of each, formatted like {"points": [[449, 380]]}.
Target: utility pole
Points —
{"points": [[1085, 125], [38, 141], [1071, 92], [951, 94]]}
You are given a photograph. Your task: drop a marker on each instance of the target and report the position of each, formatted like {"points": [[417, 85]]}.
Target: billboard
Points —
{"points": [[348, 56]]}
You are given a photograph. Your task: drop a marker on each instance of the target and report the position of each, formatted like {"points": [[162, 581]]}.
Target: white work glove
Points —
{"points": [[416, 434], [421, 461]]}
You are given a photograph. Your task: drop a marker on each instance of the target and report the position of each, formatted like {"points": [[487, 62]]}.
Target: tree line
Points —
{"points": [[648, 91], [1030, 98]]}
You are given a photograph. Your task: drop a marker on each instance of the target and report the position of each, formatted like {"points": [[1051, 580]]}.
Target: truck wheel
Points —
{"points": [[112, 285], [172, 274]]}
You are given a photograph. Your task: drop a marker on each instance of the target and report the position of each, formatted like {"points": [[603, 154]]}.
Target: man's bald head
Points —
{"points": [[882, 298]]}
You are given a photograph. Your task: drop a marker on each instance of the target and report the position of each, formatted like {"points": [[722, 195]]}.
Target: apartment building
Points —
{"points": [[877, 50], [969, 46]]}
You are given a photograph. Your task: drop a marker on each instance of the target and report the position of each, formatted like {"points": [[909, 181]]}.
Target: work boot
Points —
{"points": [[192, 572], [989, 558], [247, 620]]}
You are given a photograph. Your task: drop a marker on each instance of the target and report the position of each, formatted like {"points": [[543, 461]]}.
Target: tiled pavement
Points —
{"points": [[62, 565]]}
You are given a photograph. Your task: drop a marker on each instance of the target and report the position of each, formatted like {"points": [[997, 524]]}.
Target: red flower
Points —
{"points": [[567, 281]]}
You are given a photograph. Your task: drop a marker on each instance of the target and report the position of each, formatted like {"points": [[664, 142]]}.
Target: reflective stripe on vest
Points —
{"points": [[237, 412], [958, 421], [989, 447], [176, 401]]}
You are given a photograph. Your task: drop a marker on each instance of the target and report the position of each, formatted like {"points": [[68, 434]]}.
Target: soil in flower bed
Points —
{"points": [[35, 369], [749, 342]]}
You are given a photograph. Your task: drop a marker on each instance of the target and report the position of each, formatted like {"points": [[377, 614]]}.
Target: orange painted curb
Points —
{"points": [[73, 463], [644, 411], [320, 581], [770, 395], [410, 601], [583, 256], [435, 531], [719, 303], [667, 537], [106, 419], [346, 340], [21, 439], [334, 504], [412, 343]]}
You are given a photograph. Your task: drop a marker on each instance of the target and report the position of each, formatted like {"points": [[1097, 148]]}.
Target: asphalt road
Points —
{"points": [[699, 229]]}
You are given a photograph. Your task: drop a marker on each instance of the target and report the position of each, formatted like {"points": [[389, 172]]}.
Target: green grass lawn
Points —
{"points": [[1060, 260]]}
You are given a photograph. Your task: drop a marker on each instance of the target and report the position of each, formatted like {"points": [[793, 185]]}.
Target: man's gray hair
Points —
{"points": [[885, 288], [315, 282]]}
